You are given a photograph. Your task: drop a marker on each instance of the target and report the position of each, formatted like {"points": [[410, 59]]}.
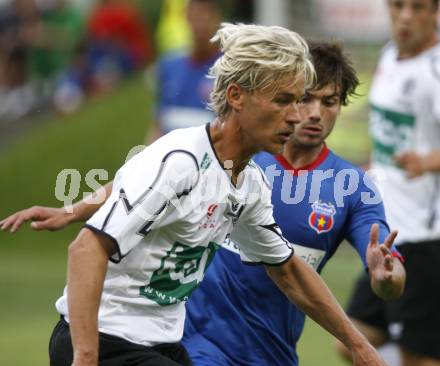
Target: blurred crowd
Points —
{"points": [[54, 53]]}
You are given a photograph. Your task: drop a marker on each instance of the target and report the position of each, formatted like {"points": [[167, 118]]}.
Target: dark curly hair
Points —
{"points": [[333, 66]]}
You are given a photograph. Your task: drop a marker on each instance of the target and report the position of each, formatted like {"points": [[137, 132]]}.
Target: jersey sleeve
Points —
{"points": [[366, 209], [258, 236], [145, 196]]}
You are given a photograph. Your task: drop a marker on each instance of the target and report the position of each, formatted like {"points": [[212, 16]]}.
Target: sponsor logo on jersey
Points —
{"points": [[209, 221], [235, 211], [180, 272], [322, 217], [206, 161], [211, 209], [392, 132], [312, 256]]}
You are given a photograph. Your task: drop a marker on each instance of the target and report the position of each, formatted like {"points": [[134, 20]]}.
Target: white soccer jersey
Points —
{"points": [[171, 206], [405, 115]]}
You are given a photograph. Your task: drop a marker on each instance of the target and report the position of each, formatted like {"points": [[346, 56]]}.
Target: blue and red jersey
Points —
{"points": [[238, 316]]}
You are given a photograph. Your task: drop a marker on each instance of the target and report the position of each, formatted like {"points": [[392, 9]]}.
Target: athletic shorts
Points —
{"points": [[413, 320], [115, 351]]}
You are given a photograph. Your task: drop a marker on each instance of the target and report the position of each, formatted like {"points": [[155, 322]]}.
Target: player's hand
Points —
{"points": [[43, 218], [413, 163], [379, 257], [366, 356]]}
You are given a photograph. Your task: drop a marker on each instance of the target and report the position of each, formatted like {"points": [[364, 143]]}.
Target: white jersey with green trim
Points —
{"points": [[405, 116], [171, 206]]}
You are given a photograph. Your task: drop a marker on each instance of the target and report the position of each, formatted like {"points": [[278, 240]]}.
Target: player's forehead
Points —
{"points": [[326, 91], [288, 85]]}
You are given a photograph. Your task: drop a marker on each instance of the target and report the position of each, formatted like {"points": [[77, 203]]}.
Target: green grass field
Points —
{"points": [[33, 264]]}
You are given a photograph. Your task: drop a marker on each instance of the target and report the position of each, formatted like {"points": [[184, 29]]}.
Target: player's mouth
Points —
{"points": [[311, 130], [403, 34], [284, 136]]}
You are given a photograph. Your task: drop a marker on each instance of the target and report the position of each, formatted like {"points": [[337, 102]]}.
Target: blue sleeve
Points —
{"points": [[366, 209]]}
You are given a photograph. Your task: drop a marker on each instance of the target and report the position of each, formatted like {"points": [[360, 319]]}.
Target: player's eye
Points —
{"points": [[283, 100], [418, 7], [398, 5], [306, 98], [330, 102]]}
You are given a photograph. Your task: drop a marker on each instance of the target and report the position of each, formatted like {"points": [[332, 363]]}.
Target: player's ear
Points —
{"points": [[235, 96]]}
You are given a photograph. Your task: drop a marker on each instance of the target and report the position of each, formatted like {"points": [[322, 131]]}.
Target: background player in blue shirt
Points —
{"points": [[182, 82], [229, 320]]}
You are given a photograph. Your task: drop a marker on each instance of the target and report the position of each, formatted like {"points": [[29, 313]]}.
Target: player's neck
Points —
{"points": [[301, 156], [229, 147], [429, 43]]}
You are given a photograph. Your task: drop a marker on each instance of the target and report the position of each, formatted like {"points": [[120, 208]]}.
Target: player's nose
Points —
{"points": [[313, 111], [294, 114]]}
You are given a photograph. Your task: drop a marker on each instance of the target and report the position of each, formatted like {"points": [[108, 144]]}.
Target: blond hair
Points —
{"points": [[257, 57]]}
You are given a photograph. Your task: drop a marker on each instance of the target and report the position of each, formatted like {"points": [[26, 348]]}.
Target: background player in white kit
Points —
{"points": [[161, 233], [405, 128]]}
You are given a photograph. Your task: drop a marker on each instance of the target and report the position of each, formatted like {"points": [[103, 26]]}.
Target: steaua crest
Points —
{"points": [[321, 219]]}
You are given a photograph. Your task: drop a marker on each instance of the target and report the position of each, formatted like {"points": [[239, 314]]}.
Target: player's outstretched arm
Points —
{"points": [[387, 273], [87, 266], [51, 218], [303, 286]]}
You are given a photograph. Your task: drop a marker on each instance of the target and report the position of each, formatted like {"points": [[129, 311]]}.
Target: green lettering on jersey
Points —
{"points": [[392, 132], [179, 274], [206, 161]]}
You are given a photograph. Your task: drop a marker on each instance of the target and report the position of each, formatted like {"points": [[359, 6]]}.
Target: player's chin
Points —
{"points": [[275, 148], [310, 141]]}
